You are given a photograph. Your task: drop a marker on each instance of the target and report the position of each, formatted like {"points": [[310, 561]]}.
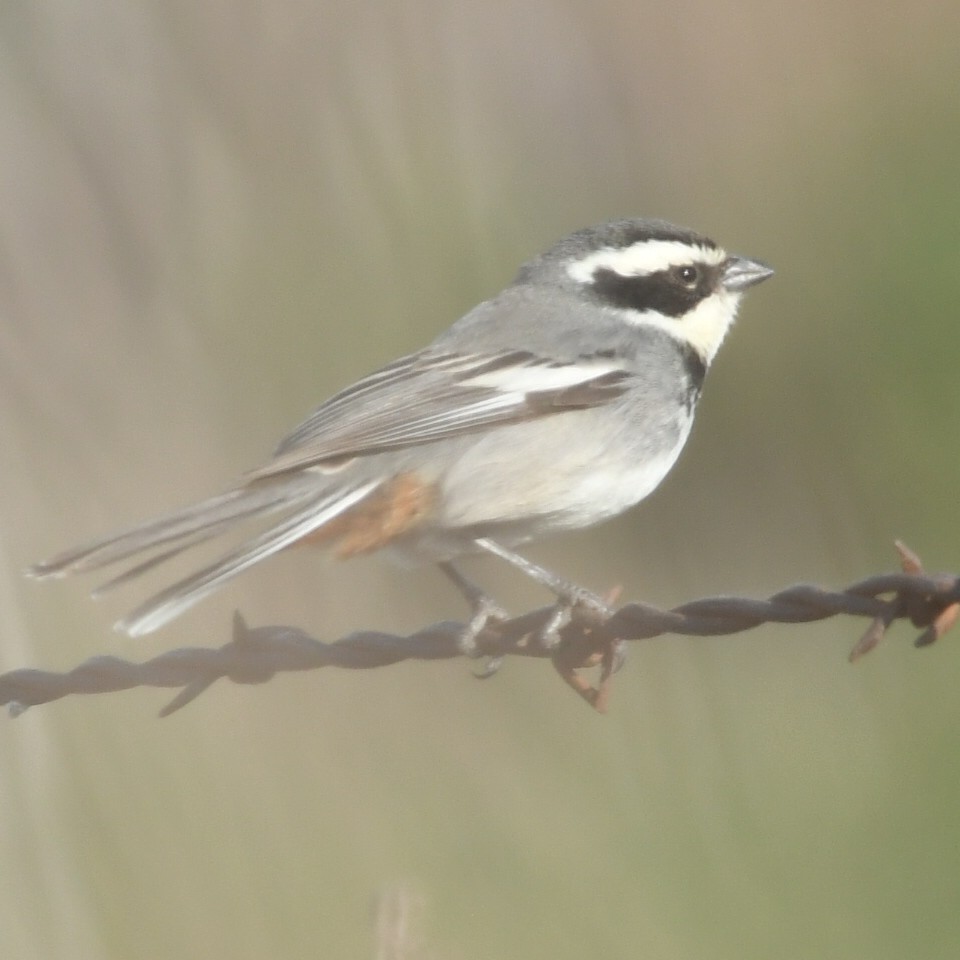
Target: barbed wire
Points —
{"points": [[257, 654]]}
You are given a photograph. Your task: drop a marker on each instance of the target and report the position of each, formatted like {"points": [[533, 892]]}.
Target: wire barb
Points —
{"points": [[257, 654]]}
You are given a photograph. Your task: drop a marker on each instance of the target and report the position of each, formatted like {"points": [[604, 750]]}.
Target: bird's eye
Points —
{"points": [[688, 275]]}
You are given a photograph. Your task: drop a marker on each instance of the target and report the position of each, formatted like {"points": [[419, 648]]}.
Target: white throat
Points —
{"points": [[703, 328]]}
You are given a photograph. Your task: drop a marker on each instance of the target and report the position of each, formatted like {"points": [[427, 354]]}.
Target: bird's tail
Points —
{"points": [[306, 510]]}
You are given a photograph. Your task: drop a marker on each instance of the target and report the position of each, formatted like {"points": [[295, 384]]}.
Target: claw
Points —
{"points": [[589, 606], [618, 656], [485, 610], [574, 603], [491, 667], [560, 616]]}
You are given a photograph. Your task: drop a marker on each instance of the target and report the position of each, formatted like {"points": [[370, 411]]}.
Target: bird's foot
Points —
{"points": [[484, 612], [574, 603]]}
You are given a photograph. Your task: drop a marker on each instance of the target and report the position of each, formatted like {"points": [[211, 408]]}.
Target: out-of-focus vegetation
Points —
{"points": [[213, 215]]}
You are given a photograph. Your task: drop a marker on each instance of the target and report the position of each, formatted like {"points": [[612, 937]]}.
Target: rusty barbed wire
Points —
{"points": [[257, 654]]}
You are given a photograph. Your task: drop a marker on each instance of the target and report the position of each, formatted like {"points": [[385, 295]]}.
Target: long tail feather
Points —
{"points": [[209, 515], [133, 573], [173, 601]]}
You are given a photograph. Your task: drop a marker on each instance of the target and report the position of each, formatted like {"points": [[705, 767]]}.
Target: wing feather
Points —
{"points": [[427, 397]]}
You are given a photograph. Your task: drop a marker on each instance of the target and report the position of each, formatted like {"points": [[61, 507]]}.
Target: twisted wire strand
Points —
{"points": [[257, 654]]}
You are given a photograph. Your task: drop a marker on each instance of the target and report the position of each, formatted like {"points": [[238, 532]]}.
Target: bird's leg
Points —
{"points": [[569, 595], [482, 606]]}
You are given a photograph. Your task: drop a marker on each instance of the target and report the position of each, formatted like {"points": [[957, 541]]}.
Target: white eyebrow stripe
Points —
{"points": [[644, 258], [530, 379]]}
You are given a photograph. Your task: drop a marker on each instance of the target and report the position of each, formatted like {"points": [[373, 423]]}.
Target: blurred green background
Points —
{"points": [[213, 215]]}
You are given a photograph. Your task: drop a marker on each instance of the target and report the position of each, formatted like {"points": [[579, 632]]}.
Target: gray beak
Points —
{"points": [[740, 273]]}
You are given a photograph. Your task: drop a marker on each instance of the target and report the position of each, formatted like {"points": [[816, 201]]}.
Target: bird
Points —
{"points": [[562, 401]]}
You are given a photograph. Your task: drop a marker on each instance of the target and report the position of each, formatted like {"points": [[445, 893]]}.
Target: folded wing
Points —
{"points": [[434, 396]]}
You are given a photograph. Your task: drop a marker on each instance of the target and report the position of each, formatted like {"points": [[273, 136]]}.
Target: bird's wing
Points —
{"points": [[432, 396]]}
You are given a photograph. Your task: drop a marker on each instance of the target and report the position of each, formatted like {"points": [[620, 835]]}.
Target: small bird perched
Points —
{"points": [[560, 402]]}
